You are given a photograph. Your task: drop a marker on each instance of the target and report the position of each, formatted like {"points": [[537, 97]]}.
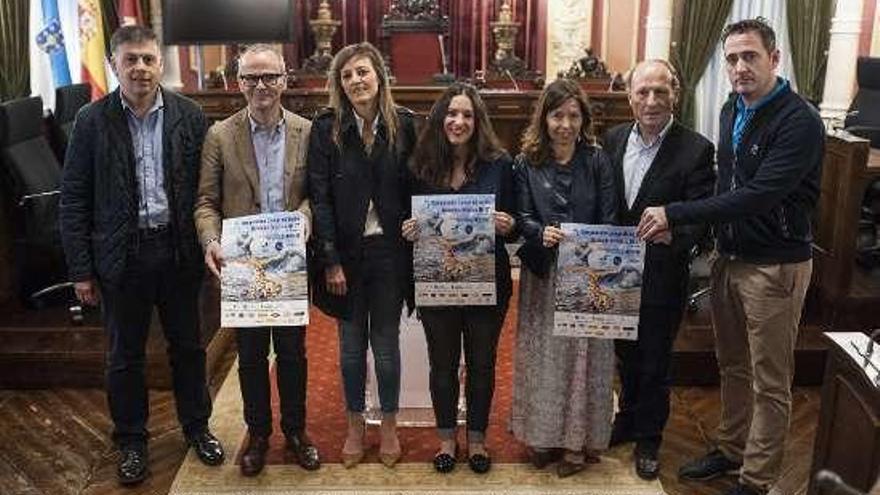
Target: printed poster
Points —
{"points": [[599, 282], [264, 280], [454, 255]]}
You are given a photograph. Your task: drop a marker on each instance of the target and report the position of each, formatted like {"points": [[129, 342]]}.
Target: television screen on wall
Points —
{"points": [[187, 22]]}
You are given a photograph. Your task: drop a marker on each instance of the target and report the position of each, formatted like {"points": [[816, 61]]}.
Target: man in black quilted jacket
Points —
{"points": [[770, 152], [127, 197]]}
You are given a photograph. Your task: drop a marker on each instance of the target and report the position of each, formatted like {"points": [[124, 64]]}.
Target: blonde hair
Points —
{"points": [[339, 101]]}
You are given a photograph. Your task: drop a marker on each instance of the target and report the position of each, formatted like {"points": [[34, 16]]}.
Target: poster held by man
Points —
{"points": [[598, 282], [264, 281]]}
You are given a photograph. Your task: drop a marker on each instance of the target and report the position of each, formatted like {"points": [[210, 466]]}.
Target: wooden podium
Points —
{"points": [[846, 293], [848, 437]]}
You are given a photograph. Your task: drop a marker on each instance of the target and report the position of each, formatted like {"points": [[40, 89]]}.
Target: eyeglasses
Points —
{"points": [[268, 78]]}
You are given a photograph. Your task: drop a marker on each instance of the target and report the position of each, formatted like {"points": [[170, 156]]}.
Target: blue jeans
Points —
{"points": [[375, 320]]}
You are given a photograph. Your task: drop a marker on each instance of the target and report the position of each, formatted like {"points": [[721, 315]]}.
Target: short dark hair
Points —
{"points": [[131, 34], [757, 25]]}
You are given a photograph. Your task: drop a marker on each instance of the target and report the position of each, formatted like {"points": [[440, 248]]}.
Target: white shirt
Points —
{"points": [[638, 158], [372, 226]]}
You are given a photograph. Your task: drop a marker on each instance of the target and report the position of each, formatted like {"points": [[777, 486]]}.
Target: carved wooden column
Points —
{"points": [[842, 52], [568, 33], [658, 29]]}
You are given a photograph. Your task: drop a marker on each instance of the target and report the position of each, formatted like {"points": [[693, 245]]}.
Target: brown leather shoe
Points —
{"points": [[541, 458], [566, 468], [301, 450], [254, 457]]}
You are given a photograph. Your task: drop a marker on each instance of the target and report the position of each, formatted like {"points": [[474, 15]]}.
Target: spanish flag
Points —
{"points": [[91, 42]]}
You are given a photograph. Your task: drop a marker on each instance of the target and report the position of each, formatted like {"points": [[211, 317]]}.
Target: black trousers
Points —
{"points": [[478, 328], [153, 279], [644, 375], [291, 371]]}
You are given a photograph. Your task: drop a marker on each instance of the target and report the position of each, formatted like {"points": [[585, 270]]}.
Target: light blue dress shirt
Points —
{"points": [[146, 139], [269, 143]]}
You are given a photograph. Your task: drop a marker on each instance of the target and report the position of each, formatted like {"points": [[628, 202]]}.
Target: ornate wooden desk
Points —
{"points": [[509, 110], [848, 436]]}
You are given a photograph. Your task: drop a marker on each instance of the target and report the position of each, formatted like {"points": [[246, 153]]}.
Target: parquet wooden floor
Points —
{"points": [[55, 442]]}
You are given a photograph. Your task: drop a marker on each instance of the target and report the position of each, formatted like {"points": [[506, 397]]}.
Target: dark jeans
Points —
{"points": [[375, 320], [152, 278], [644, 375], [479, 327], [291, 371]]}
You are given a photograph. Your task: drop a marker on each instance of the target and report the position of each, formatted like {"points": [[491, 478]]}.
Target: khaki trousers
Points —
{"points": [[755, 313]]}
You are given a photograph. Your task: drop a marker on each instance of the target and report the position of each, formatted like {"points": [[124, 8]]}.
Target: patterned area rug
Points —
{"points": [[511, 474]]}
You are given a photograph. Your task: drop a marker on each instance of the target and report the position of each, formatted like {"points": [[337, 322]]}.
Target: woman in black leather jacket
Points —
{"points": [[358, 181], [459, 153], [562, 404]]}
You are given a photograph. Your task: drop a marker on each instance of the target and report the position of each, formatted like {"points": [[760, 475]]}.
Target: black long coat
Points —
{"points": [[340, 182], [681, 171], [99, 191]]}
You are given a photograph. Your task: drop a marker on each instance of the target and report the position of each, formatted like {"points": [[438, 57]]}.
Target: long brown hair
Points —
{"points": [[339, 101], [536, 143], [433, 157]]}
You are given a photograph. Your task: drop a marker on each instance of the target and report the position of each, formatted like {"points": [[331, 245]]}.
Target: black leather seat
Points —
{"points": [[32, 178], [863, 118], [68, 100]]}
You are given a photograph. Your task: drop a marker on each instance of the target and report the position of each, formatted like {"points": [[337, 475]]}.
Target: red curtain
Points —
{"points": [[361, 21], [469, 43]]}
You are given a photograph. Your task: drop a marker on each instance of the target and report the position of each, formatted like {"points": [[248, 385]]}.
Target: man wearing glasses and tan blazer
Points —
{"points": [[254, 162]]}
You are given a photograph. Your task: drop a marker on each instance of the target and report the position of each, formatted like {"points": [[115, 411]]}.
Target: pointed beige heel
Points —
{"points": [[353, 449], [389, 447]]}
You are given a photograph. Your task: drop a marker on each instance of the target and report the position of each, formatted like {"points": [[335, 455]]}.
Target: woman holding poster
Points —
{"points": [[562, 403], [458, 153], [357, 157]]}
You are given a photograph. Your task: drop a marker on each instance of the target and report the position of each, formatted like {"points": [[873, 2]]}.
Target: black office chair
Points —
{"points": [[68, 100], [32, 181], [863, 118], [868, 234], [698, 284]]}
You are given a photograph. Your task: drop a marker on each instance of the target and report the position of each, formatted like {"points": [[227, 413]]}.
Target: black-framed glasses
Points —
{"points": [[268, 78]]}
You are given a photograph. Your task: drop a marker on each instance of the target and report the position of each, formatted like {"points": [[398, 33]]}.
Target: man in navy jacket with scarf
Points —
{"points": [[769, 167]]}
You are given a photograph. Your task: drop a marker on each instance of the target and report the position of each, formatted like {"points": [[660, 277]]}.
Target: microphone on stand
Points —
{"points": [[832, 484], [510, 76]]}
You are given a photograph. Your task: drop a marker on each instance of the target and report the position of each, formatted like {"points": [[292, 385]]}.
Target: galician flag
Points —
{"points": [[91, 40], [51, 40], [53, 47]]}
